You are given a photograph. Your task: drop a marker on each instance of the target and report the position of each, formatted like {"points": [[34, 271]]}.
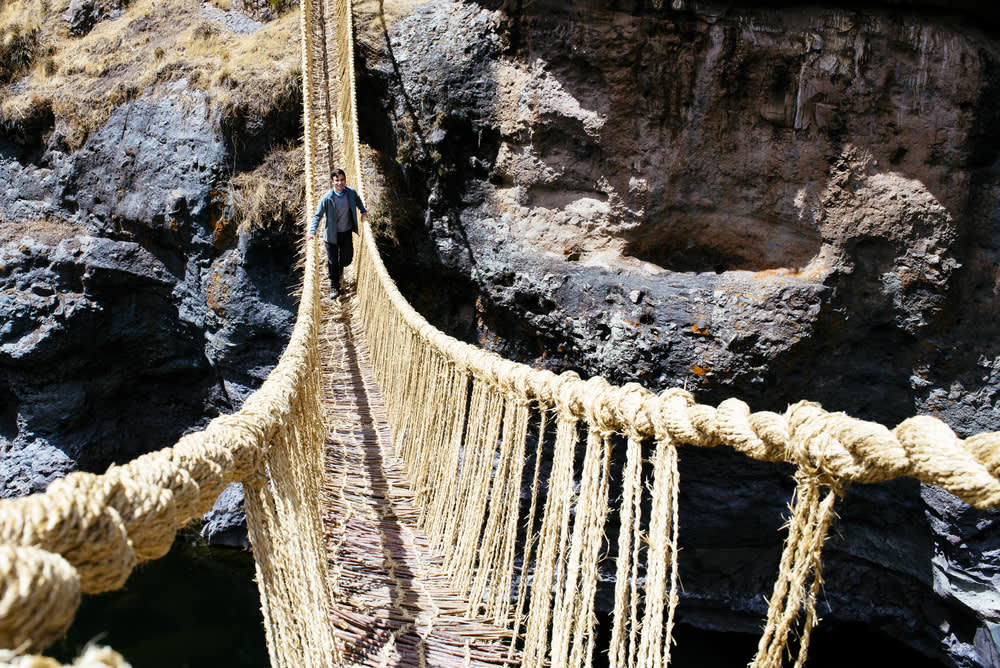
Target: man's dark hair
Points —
{"points": [[338, 172]]}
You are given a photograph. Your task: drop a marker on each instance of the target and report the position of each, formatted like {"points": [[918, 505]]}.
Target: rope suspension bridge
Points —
{"points": [[396, 500]]}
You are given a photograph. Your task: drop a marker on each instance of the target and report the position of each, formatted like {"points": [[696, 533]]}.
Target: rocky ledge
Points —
{"points": [[136, 303]]}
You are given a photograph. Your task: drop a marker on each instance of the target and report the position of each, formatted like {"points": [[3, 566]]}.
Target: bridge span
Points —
{"points": [[416, 501]]}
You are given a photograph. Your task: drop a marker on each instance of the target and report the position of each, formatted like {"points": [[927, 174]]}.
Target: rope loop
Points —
{"points": [[814, 447], [247, 439], [72, 518], [633, 411], [147, 510], [938, 457], [600, 405], [516, 379], [986, 449], [674, 420], [875, 449], [39, 595], [570, 397], [736, 430], [210, 464], [546, 385]]}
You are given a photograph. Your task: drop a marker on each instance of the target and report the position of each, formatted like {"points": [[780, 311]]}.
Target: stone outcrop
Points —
{"points": [[133, 310], [775, 204]]}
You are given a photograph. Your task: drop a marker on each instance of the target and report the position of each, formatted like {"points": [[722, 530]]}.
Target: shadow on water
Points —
{"points": [[196, 607]]}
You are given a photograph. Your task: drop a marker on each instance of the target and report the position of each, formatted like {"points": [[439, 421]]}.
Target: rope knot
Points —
{"points": [[546, 385], [680, 419], [633, 411], [600, 406], [570, 395]]}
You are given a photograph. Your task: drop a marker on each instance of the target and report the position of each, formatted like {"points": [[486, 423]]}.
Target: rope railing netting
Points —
{"points": [[462, 419]]}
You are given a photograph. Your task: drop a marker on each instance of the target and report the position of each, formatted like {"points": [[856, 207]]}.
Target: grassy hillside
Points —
{"points": [[81, 79], [69, 84]]}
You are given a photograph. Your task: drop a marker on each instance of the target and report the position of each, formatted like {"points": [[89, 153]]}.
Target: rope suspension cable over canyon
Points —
{"points": [[424, 550]]}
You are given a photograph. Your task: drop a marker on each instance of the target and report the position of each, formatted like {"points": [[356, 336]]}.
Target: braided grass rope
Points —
{"points": [[838, 448], [86, 532], [460, 415], [447, 463]]}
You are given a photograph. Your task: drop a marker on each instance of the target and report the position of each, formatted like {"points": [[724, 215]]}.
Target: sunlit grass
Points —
{"points": [[83, 79]]}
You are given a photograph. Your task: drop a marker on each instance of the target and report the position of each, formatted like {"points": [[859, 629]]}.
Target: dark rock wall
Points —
{"points": [[131, 312], [775, 203]]}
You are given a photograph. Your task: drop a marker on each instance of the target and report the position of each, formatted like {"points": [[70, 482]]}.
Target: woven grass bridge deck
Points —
{"points": [[345, 570], [394, 603]]}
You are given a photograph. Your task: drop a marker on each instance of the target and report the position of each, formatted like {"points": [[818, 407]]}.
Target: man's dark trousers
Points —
{"points": [[338, 256]]}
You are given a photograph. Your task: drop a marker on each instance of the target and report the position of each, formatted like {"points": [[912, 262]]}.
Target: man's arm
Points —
{"points": [[361, 205], [314, 224]]}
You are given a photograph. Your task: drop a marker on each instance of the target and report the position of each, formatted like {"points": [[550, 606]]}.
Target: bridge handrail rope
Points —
{"points": [[87, 532], [460, 471], [462, 418]]}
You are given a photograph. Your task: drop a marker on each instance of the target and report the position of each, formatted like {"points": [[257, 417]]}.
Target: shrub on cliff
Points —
{"points": [[271, 196], [132, 48], [18, 49]]}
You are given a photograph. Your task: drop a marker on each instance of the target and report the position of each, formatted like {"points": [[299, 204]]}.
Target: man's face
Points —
{"points": [[338, 183]]}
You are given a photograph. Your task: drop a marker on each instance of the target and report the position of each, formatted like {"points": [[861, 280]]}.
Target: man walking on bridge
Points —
{"points": [[340, 206]]}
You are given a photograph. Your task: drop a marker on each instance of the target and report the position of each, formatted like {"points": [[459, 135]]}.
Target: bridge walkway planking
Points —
{"points": [[393, 603]]}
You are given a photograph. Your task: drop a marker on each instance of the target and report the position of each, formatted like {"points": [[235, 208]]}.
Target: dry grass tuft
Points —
{"points": [[42, 231], [18, 50], [270, 196], [83, 79]]}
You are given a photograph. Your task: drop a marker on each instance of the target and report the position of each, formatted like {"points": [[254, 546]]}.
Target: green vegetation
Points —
{"points": [[18, 49]]}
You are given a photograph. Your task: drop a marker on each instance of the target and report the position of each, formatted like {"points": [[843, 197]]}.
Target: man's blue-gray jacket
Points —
{"points": [[325, 208]]}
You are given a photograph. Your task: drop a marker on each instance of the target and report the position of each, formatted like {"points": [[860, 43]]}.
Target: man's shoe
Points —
{"points": [[334, 293]]}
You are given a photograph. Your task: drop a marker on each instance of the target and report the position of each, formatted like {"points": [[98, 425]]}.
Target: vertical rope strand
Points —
{"points": [[625, 623], [472, 504], [572, 623], [800, 571], [555, 522], [494, 568], [530, 538], [654, 637]]}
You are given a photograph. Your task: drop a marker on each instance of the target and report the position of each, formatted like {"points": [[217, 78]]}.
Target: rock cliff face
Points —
{"points": [[133, 309], [775, 204]]}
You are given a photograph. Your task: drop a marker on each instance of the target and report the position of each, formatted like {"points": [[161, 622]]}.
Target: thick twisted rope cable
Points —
{"points": [[852, 451], [86, 533], [836, 447], [102, 526]]}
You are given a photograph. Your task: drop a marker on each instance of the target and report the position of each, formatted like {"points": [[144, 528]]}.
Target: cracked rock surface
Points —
{"points": [[129, 317]]}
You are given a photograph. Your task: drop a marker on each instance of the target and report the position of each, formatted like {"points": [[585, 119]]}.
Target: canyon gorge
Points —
{"points": [[759, 200]]}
